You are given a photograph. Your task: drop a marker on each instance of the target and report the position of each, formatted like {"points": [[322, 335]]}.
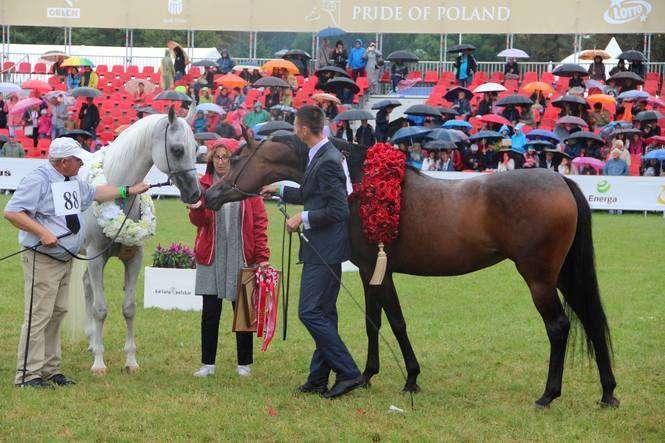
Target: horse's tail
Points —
{"points": [[579, 284]]}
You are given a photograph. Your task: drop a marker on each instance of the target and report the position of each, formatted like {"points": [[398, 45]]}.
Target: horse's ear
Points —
{"points": [[247, 135], [171, 114]]}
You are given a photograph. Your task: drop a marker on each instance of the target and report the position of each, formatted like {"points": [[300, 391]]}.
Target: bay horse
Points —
{"points": [[166, 142], [537, 218]]}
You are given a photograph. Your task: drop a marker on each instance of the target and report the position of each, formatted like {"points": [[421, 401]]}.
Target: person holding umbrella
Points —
{"points": [[638, 68], [597, 69], [167, 71], [383, 122], [225, 63], [323, 55], [466, 66], [600, 116], [511, 70], [398, 72], [576, 81], [89, 116], [180, 59], [365, 134], [73, 79], [462, 104], [59, 115], [339, 55], [620, 67], [374, 65]]}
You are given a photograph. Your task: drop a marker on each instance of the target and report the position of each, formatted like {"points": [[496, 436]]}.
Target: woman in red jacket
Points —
{"points": [[226, 241]]}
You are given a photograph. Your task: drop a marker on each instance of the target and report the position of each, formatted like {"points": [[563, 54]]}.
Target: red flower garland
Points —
{"points": [[381, 193]]}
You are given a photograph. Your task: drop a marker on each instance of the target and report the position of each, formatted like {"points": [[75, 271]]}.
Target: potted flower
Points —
{"points": [[169, 282]]}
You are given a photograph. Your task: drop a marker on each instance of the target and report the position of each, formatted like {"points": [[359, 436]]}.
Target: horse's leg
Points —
{"points": [[372, 326], [132, 270], [89, 318], [99, 311], [393, 310], [547, 302]]}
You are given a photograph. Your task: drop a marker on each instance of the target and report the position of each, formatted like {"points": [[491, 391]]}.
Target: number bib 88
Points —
{"points": [[66, 197]]}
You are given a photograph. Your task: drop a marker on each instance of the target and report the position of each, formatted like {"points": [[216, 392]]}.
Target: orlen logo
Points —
{"points": [[175, 7], [603, 186], [624, 11]]}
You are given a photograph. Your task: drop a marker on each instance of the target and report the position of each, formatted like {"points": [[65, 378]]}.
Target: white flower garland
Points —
{"points": [[110, 216]]}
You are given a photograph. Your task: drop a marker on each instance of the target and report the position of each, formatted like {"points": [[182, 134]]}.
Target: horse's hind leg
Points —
{"points": [[89, 318], [549, 306], [372, 326], [132, 269], [99, 311]]}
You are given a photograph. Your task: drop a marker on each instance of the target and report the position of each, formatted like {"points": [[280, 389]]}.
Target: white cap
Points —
{"points": [[63, 147]]}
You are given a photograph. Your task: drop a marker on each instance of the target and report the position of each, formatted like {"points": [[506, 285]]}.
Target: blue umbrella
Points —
{"points": [[410, 133], [634, 95], [330, 32], [656, 154], [542, 134], [608, 129], [9, 88], [481, 135], [458, 124]]}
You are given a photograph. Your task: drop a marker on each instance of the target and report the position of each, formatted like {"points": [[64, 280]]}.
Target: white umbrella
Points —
{"points": [[210, 107], [489, 87], [133, 85], [9, 88], [513, 53]]}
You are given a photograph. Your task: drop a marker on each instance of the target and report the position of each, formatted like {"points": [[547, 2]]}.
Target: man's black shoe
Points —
{"points": [[311, 388], [35, 383], [344, 387], [61, 380]]}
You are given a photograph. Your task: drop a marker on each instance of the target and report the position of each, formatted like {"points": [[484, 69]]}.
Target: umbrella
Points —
{"points": [[634, 95], [625, 131], [354, 114], [494, 118], [403, 56], [281, 53], [119, 129], [284, 108], [656, 154], [646, 116], [482, 135], [211, 107], [568, 69], [334, 69], [572, 120], [202, 136], [410, 133], [132, 86], [590, 54], [584, 135], [24, 104], [386, 104], [3, 138], [542, 87], [554, 151], [280, 64], [623, 76], [539, 145], [146, 109], [452, 94], [205, 63], [656, 140], [242, 67], [77, 61], [230, 81], [76, 133], [297, 53], [601, 98], [36, 84], [330, 32], [450, 135], [341, 82], [457, 124], [84, 91], [513, 53], [539, 134], [632, 56], [462, 47], [172, 95], [515, 100], [277, 125], [569, 99], [54, 56], [324, 96], [588, 161], [271, 82], [181, 88], [439, 145], [447, 111], [489, 87], [607, 130], [594, 84], [9, 88], [423, 110]]}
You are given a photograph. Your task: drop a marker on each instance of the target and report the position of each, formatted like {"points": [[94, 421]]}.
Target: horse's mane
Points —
{"points": [[126, 148]]}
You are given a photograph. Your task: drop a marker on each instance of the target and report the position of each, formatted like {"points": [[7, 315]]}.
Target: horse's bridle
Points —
{"points": [[234, 186], [170, 173]]}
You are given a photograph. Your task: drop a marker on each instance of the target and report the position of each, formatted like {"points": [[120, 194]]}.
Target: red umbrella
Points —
{"points": [[656, 139], [24, 104], [571, 120], [495, 118], [36, 84]]}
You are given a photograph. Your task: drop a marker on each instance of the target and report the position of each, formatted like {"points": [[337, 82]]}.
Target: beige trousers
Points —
{"points": [[49, 307]]}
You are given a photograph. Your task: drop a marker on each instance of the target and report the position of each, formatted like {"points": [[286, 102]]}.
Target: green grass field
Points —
{"points": [[480, 342]]}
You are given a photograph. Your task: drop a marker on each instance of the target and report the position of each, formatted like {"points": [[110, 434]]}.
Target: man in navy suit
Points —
{"points": [[323, 193]]}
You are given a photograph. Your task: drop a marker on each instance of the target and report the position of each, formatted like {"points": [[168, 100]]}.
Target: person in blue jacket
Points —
{"points": [[357, 60]]}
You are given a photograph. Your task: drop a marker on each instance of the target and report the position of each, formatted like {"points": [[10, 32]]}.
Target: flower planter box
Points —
{"points": [[168, 288]]}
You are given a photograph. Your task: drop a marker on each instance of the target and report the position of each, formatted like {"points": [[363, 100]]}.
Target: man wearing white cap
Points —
{"points": [[47, 205]]}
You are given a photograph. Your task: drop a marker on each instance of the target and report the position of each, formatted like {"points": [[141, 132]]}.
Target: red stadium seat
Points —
{"points": [[530, 76], [118, 69], [40, 68], [148, 70], [547, 77], [480, 77], [414, 75], [7, 66], [102, 69], [497, 77], [653, 76], [431, 77], [24, 68], [651, 86], [132, 70]]}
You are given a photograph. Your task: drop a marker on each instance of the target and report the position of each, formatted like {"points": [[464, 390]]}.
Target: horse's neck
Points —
{"points": [[124, 170]]}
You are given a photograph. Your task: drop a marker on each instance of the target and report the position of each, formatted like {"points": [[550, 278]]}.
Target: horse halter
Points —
{"points": [[170, 173], [234, 186]]}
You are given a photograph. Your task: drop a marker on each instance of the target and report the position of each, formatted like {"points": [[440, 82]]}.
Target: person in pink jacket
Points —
{"points": [[44, 124]]}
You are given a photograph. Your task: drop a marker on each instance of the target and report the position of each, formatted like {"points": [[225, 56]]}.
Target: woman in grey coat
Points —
{"points": [[374, 65]]}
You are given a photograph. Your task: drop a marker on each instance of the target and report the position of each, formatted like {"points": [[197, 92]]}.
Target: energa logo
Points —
{"points": [[624, 11], [603, 186]]}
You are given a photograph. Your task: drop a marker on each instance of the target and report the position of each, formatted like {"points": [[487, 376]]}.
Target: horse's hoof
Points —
{"points": [[99, 371], [132, 369], [411, 387], [611, 403]]}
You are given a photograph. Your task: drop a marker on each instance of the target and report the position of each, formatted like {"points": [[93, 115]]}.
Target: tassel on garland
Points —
{"points": [[380, 267]]}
